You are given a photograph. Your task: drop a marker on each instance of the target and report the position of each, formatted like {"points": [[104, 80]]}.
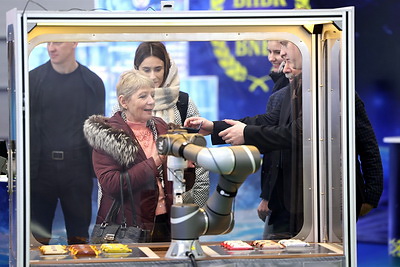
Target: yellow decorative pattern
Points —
{"points": [[258, 82], [233, 68], [302, 4], [217, 4], [394, 247]]}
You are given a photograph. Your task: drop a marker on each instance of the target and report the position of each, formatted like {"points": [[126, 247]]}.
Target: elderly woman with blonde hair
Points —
{"points": [[126, 142]]}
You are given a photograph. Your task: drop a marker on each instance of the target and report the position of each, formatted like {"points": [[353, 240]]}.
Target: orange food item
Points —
{"points": [[84, 250]]}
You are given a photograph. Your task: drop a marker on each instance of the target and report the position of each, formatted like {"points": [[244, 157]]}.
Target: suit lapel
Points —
{"points": [[285, 108]]}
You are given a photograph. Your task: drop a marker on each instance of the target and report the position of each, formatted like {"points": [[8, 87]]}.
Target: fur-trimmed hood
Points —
{"points": [[113, 141]]}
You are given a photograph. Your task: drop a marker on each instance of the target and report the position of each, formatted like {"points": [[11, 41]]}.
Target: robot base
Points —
{"points": [[180, 249]]}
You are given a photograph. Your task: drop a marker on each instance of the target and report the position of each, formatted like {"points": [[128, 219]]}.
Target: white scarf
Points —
{"points": [[167, 96]]}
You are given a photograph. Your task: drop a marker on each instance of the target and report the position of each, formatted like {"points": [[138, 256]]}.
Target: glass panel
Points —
{"points": [[219, 88]]}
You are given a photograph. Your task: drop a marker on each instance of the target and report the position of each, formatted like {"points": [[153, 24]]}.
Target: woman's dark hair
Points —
{"points": [[156, 49]]}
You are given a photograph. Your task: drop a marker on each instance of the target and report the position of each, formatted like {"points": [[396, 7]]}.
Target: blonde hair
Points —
{"points": [[130, 82]]}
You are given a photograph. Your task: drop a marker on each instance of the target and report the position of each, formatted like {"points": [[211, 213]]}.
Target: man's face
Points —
{"points": [[293, 60], [60, 53]]}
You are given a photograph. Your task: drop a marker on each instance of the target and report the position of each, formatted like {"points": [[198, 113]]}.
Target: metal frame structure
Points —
{"points": [[326, 41]]}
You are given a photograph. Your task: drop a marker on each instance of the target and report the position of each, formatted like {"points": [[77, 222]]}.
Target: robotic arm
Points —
{"points": [[188, 221]]}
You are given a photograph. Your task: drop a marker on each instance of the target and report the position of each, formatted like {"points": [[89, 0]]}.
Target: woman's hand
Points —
{"points": [[191, 164], [159, 159], [206, 127]]}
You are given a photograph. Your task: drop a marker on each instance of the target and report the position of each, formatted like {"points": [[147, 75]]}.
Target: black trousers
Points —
{"points": [[162, 229], [283, 223], [67, 181]]}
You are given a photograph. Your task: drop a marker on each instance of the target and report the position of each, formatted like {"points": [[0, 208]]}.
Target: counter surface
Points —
{"points": [[154, 253]]}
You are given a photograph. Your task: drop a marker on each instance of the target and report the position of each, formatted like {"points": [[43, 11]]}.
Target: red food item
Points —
{"points": [[236, 245]]}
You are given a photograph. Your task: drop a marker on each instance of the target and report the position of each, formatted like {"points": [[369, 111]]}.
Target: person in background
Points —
{"points": [[280, 81], [126, 142], [174, 107], [63, 93], [369, 170], [277, 75]]}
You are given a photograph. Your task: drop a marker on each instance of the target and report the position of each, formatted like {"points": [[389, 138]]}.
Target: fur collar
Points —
{"points": [[113, 141]]}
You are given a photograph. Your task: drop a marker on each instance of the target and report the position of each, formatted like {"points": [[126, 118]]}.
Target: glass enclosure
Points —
{"points": [[308, 134]]}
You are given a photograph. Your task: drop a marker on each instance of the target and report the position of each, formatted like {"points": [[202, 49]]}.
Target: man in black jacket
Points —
{"points": [[280, 81], [63, 94]]}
